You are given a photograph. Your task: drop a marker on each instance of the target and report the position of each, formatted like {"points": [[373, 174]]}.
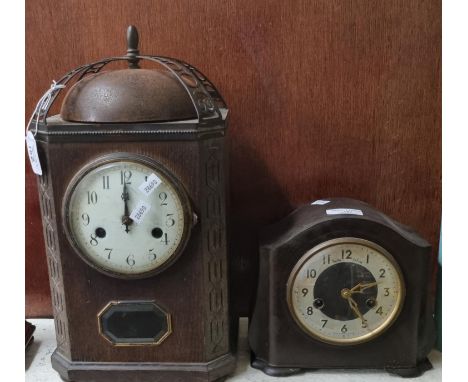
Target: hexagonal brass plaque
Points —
{"points": [[132, 323]]}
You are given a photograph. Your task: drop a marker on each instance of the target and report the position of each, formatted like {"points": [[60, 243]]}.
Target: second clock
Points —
{"points": [[342, 285]]}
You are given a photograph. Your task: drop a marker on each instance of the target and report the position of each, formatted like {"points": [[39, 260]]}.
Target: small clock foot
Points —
{"points": [[274, 371], [412, 372]]}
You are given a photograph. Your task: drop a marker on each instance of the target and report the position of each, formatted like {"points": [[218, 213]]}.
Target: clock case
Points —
{"points": [[280, 347], [191, 144]]}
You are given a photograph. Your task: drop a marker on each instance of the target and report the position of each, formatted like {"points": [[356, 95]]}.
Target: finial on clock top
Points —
{"points": [[132, 47]]}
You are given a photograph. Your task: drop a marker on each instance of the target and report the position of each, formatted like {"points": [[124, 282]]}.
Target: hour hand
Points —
{"points": [[126, 219], [359, 288]]}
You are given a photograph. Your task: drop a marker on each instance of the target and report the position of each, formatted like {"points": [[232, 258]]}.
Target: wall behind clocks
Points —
{"points": [[327, 98]]}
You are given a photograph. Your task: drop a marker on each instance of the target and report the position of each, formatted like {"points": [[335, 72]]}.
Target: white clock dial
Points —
{"points": [[106, 224], [345, 291]]}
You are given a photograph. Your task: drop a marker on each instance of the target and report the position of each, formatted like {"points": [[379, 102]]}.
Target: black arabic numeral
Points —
{"points": [[324, 323], [92, 197], [382, 273], [169, 220], [344, 329], [346, 254], [310, 310], [151, 254], [109, 252], [85, 218], [326, 259], [311, 273], [379, 310], [165, 240], [93, 240], [304, 292], [163, 197], [125, 177], [105, 182], [130, 260], [387, 292]]}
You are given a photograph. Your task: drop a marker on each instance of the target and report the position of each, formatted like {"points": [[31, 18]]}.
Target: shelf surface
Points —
{"points": [[39, 369]]}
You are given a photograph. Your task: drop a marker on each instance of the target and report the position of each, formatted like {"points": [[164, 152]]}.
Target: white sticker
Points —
{"points": [[140, 211], [32, 152], [344, 211], [320, 202], [151, 183]]}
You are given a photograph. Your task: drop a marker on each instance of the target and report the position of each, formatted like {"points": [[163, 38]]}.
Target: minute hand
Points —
{"points": [[126, 219], [355, 308], [125, 198]]}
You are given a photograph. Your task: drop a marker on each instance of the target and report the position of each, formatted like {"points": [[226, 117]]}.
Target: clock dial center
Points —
{"points": [[334, 286]]}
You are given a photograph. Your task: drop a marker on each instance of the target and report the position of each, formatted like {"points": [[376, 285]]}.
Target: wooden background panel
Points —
{"points": [[327, 98]]}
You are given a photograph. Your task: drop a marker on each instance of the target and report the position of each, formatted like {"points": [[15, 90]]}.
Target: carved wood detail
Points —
{"points": [[53, 262], [214, 249]]}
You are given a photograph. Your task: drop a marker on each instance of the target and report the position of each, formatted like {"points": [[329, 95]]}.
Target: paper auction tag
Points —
{"points": [[320, 202], [32, 152], [140, 211], [150, 184], [344, 211]]}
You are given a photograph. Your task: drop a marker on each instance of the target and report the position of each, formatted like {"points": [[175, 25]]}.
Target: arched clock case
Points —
{"points": [[341, 285]]}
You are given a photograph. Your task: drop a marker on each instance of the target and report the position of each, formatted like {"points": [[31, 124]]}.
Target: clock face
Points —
{"points": [[345, 291], [127, 216]]}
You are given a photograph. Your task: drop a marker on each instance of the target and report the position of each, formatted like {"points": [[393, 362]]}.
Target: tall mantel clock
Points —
{"points": [[133, 201], [342, 285]]}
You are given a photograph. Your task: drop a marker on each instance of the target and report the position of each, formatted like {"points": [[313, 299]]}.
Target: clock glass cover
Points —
{"points": [[126, 216], [345, 291]]}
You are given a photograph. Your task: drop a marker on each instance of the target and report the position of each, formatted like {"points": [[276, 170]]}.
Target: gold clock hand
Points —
{"points": [[359, 288], [354, 306], [346, 294]]}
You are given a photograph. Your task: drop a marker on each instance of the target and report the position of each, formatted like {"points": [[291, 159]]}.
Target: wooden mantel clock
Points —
{"points": [[341, 285], [132, 197]]}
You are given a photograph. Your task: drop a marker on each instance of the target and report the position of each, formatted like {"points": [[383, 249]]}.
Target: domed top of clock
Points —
{"points": [[128, 95], [169, 91]]}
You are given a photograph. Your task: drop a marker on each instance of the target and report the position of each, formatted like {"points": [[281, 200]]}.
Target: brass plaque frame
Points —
{"points": [[159, 341]]}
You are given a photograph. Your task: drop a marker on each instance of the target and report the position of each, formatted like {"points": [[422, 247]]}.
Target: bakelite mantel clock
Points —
{"points": [[133, 201], [341, 285]]}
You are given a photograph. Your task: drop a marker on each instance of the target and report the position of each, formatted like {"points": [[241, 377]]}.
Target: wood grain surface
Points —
{"points": [[327, 98], [80, 293]]}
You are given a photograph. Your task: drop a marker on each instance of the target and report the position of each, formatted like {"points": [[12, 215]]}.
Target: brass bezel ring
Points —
{"points": [[366, 337]]}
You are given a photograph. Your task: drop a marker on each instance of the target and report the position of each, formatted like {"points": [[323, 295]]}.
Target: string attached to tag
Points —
{"points": [[41, 107]]}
